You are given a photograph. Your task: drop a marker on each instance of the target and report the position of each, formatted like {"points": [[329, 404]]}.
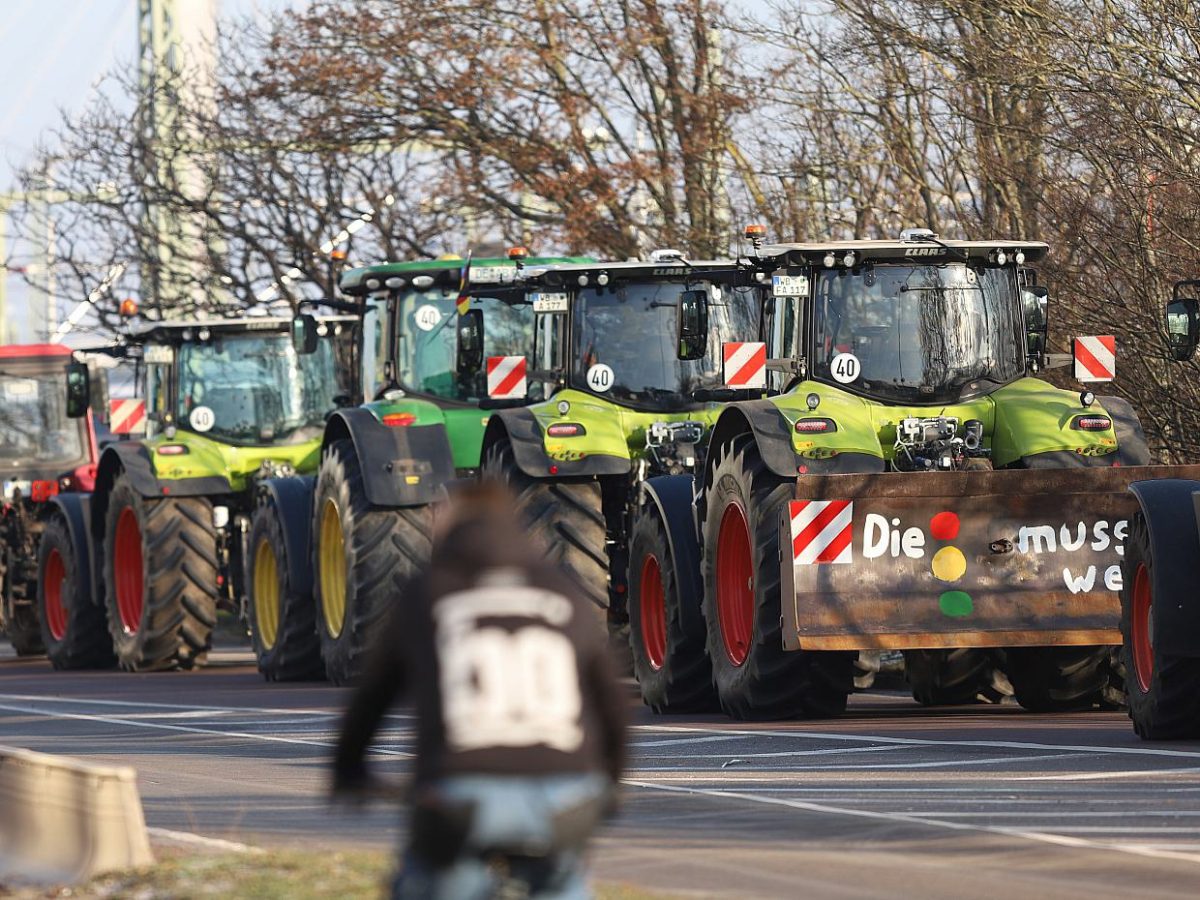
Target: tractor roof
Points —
{"points": [[446, 271], [33, 351], [925, 249], [664, 267], [180, 331]]}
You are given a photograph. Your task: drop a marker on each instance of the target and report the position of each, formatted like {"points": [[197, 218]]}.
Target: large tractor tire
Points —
{"points": [[160, 579], [666, 631], [754, 676], [1059, 679], [74, 627], [954, 677], [566, 518], [283, 621], [1163, 690], [362, 554]]}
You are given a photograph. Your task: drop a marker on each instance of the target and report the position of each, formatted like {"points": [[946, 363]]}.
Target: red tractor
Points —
{"points": [[42, 453]]}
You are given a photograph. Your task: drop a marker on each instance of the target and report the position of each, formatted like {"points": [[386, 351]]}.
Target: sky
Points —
{"points": [[52, 54]]}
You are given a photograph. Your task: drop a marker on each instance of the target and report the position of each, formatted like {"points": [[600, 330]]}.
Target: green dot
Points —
{"points": [[956, 604]]}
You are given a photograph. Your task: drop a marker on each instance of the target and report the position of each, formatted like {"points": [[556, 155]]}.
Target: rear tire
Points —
{"points": [[74, 626], [566, 518], [754, 676], [160, 578], [283, 621], [667, 641], [954, 677], [362, 554], [1059, 679], [1163, 691]]}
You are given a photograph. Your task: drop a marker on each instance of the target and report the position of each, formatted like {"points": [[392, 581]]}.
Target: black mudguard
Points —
{"points": [[521, 428], [773, 435], [293, 498], [670, 497], [1171, 507], [1132, 448], [133, 458], [76, 511], [403, 465]]}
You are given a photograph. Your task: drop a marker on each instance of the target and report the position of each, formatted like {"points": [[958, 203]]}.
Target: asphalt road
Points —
{"points": [[890, 800]]}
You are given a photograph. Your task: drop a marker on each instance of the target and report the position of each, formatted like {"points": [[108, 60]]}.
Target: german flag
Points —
{"points": [[464, 300]]}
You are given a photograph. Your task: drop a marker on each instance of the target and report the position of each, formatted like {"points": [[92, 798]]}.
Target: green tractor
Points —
{"points": [[160, 543], [624, 384], [907, 484], [327, 551]]}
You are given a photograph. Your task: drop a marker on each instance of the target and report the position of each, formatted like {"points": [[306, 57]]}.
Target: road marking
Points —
{"points": [[242, 735], [852, 767], [833, 751], [913, 819], [923, 742], [1086, 814], [146, 704], [1093, 776], [187, 837]]}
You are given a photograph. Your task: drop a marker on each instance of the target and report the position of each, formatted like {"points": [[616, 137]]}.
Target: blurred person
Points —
{"points": [[520, 722]]}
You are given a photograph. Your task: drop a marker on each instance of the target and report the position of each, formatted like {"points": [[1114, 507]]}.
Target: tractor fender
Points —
{"points": [[292, 498], [524, 433], [773, 435], [1132, 449], [1171, 507], [75, 510], [135, 460], [403, 465], [670, 498]]}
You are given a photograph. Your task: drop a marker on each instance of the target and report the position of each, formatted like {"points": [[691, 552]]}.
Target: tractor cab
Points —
{"points": [[913, 321]]}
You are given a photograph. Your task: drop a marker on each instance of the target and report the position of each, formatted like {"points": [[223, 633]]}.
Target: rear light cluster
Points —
{"points": [[815, 426], [1091, 423], [565, 429], [400, 419], [172, 450]]}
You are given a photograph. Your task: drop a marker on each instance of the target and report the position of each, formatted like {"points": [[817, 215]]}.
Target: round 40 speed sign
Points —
{"points": [[845, 368]]}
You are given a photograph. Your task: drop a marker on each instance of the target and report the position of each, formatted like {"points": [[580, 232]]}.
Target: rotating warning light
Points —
{"points": [[129, 308], [756, 232]]}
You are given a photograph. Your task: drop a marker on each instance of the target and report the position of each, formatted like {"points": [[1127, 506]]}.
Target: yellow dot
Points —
{"points": [[949, 564]]}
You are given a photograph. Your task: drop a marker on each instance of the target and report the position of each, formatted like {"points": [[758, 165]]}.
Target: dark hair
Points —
{"points": [[480, 525]]}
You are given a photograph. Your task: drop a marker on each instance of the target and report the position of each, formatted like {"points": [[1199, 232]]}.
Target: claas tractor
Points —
{"points": [[1160, 602], [329, 551], [623, 384], [159, 545], [908, 484], [42, 452]]}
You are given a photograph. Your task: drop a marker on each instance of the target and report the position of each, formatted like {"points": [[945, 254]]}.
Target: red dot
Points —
{"points": [[944, 526]]}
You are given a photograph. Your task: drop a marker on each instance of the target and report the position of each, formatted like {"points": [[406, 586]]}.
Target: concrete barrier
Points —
{"points": [[63, 819]]}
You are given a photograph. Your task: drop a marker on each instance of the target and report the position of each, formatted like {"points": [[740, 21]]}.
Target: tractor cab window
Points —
{"points": [[783, 336], [427, 342], [918, 334], [34, 428], [624, 340], [255, 389]]}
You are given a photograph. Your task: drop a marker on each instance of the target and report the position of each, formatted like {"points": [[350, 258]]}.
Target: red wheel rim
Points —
{"points": [[653, 612], [127, 566], [1142, 621], [52, 582], [735, 584]]}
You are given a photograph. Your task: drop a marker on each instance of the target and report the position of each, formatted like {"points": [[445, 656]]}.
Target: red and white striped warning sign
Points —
{"points": [[745, 364], [506, 378], [821, 531], [126, 416], [1096, 358]]}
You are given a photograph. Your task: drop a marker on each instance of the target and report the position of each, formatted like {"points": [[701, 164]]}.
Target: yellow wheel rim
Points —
{"points": [[331, 558], [266, 594]]}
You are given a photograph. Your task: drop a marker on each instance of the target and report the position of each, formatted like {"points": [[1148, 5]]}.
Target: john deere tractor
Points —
{"points": [[160, 544], [908, 483], [623, 384], [327, 552]]}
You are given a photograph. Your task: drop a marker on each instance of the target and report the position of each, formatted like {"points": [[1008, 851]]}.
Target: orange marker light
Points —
{"points": [[129, 308], [515, 253], [755, 231]]}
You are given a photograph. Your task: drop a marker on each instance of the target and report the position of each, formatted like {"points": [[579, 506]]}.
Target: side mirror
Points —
{"points": [[691, 324], [1035, 299], [78, 390], [304, 334], [1183, 322], [470, 341]]}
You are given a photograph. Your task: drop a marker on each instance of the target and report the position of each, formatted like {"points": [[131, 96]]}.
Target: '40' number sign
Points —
{"points": [[845, 368]]}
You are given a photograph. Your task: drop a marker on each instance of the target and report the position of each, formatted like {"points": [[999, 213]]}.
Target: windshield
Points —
{"points": [[255, 388], [427, 342], [624, 340], [34, 427], [918, 333]]}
